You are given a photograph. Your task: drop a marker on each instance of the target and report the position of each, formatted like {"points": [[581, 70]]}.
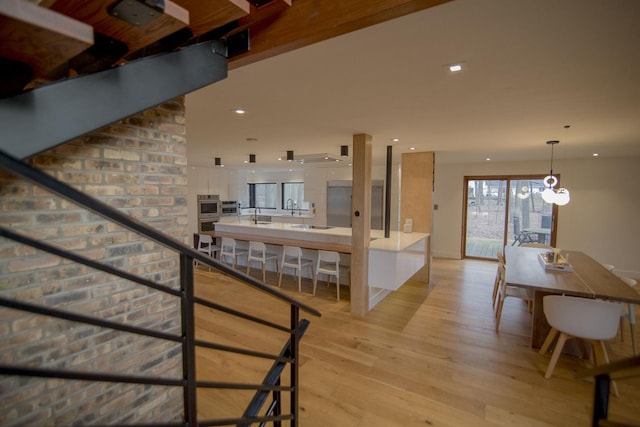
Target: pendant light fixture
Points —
{"points": [[290, 155], [560, 196], [344, 151], [217, 161], [252, 158]]}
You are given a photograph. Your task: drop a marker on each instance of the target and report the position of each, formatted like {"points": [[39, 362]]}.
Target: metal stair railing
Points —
{"points": [[288, 356]]}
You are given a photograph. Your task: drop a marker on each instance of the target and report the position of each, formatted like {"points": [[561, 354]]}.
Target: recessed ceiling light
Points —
{"points": [[595, 154], [412, 148], [239, 111], [488, 159], [246, 161], [395, 139], [455, 67], [279, 158]]}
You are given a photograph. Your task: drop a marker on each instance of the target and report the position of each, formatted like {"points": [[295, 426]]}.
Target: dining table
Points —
{"points": [[585, 277]]}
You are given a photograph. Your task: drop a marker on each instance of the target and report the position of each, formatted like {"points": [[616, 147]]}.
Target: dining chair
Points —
{"points": [[329, 264], [505, 291], [258, 253], [229, 249], [574, 317], [630, 316], [496, 282], [292, 258], [536, 245], [205, 245]]}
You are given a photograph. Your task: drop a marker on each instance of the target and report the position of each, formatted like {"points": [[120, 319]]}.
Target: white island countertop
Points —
{"points": [[315, 237]]}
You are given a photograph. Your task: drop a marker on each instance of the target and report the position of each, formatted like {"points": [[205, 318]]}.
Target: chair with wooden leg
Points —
{"points": [[258, 253], [205, 245], [496, 282], [573, 317], [292, 258], [630, 316], [505, 291], [229, 249], [329, 264]]}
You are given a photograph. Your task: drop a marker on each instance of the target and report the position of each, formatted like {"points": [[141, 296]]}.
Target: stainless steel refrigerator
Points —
{"points": [[339, 204]]}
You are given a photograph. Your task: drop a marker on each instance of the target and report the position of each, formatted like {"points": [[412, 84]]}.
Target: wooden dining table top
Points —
{"points": [[588, 278]]}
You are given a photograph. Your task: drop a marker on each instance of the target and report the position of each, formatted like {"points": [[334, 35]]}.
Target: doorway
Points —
{"points": [[505, 210]]}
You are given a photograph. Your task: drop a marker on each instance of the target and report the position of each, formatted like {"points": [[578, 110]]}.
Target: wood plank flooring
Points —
{"points": [[426, 355]]}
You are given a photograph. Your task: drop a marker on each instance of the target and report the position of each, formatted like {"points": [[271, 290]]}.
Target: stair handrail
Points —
{"points": [[69, 193]]}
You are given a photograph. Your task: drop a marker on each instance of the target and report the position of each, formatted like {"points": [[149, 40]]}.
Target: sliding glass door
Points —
{"points": [[505, 210]]}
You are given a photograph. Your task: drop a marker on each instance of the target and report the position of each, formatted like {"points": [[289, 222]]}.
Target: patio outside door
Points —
{"points": [[503, 211]]}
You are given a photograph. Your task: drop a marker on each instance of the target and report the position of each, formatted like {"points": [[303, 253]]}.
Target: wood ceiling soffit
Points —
{"points": [[207, 15], [311, 21], [95, 13], [40, 37]]}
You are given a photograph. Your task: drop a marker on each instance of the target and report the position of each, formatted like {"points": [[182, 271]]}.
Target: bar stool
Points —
{"points": [[258, 253], [229, 249], [205, 245], [329, 264], [292, 258]]}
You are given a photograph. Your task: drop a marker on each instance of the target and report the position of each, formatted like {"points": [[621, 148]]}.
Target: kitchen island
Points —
{"points": [[392, 260]]}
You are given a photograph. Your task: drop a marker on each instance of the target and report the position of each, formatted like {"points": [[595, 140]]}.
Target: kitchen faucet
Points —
{"points": [[256, 211], [286, 205]]}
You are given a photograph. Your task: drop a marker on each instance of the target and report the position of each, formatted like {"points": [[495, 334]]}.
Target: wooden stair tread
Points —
{"points": [[206, 15], [39, 37], [95, 13]]}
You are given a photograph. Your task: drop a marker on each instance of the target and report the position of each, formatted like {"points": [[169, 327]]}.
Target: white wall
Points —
{"points": [[231, 184], [601, 220]]}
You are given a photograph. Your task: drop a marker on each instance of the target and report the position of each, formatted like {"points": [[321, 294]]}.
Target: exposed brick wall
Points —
{"points": [[139, 167]]}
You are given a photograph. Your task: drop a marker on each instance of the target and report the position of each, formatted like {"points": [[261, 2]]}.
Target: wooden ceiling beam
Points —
{"points": [[38, 37], [95, 13], [311, 21]]}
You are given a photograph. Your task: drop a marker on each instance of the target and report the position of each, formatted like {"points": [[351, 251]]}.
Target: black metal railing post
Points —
{"points": [[295, 337], [188, 337]]}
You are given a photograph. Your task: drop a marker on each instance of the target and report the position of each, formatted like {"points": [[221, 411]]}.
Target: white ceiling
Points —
{"points": [[531, 67]]}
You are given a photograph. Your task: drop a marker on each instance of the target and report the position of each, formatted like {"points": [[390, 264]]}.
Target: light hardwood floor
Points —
{"points": [[426, 355]]}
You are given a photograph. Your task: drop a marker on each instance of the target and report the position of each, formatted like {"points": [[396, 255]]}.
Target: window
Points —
{"points": [[263, 195], [293, 196], [505, 210]]}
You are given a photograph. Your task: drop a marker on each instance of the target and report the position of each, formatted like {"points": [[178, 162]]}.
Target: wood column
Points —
{"points": [[416, 197], [361, 225]]}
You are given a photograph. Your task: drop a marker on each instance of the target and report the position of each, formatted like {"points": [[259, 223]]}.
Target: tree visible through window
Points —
{"points": [[263, 195], [293, 196]]}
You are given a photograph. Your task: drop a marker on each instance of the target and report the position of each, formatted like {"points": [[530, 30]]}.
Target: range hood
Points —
{"points": [[318, 158]]}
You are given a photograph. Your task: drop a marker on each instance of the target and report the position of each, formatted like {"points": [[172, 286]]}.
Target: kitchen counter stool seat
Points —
{"points": [[258, 253], [229, 249], [292, 258], [205, 245], [328, 263]]}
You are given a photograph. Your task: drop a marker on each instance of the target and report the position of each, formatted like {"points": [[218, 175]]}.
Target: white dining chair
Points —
{"points": [[573, 317], [229, 249], [292, 258], [258, 253], [329, 264], [630, 316], [205, 245], [505, 291]]}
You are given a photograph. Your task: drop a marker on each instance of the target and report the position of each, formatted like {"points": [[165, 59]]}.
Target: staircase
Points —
{"points": [[280, 380]]}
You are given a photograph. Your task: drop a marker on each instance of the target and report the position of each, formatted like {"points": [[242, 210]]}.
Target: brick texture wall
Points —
{"points": [[138, 166]]}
